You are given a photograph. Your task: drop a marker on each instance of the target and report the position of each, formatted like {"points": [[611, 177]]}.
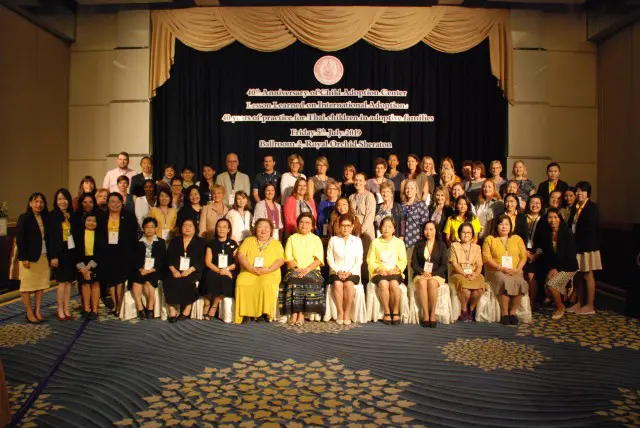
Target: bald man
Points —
{"points": [[233, 180]]}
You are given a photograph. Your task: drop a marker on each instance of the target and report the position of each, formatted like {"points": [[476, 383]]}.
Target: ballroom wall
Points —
{"points": [[554, 117], [34, 94], [619, 142], [108, 104]]}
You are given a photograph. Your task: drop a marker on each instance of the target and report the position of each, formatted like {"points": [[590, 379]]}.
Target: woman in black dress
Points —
{"points": [[191, 209], [60, 246], [86, 257], [220, 275], [185, 260], [119, 229], [148, 267]]}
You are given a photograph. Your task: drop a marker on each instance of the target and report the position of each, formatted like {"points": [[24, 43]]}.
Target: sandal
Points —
{"points": [[395, 321], [386, 322], [207, 317]]}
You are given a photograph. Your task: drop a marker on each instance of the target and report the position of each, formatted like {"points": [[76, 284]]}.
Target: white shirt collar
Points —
{"points": [[144, 239]]}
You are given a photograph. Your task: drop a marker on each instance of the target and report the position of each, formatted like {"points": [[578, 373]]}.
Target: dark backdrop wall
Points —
{"points": [[459, 90]]}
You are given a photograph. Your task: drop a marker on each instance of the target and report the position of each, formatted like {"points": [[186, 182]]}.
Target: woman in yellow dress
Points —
{"points": [[260, 259], [504, 255], [387, 259], [165, 215]]}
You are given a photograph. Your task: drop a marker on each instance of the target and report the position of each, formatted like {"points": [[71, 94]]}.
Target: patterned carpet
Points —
{"points": [[580, 371]]}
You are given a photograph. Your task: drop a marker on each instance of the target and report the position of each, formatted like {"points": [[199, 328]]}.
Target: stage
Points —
{"points": [[573, 373]]}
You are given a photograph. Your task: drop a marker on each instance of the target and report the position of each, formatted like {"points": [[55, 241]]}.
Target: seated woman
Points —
{"points": [[304, 256], [220, 275], [87, 259], [556, 251], [148, 268], [260, 259], [465, 271], [344, 257], [185, 261], [240, 217], [269, 209], [387, 259], [429, 263], [504, 255], [165, 215], [341, 207], [462, 214]]}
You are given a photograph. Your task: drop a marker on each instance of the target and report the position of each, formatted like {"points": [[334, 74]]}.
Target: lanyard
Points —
{"points": [[430, 251], [263, 247], [467, 254], [504, 244]]}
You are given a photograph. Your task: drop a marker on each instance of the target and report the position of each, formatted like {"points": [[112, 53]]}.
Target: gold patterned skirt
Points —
{"points": [[37, 277]]}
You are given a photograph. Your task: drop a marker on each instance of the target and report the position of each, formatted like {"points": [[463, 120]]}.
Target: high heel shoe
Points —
{"points": [[37, 321], [386, 322], [59, 318]]}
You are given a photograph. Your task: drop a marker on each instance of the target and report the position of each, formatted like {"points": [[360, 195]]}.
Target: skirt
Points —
{"points": [[303, 294], [353, 278], [507, 284], [440, 280], [114, 270], [37, 277], [397, 277], [460, 282], [180, 291], [215, 284], [66, 270], [152, 278], [589, 261], [560, 281]]}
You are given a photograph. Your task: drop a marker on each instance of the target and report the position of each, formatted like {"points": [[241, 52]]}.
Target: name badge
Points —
{"points": [[529, 243], [428, 267], [113, 238], [386, 257], [223, 260], [325, 229], [149, 263], [379, 198], [184, 263], [467, 270], [573, 228], [165, 234], [71, 243], [231, 199], [258, 262], [507, 262]]}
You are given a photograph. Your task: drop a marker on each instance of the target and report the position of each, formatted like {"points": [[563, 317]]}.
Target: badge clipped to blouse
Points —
{"points": [[428, 267], [258, 262], [113, 238], [507, 262], [149, 263], [386, 257], [165, 233], [223, 261], [467, 269], [379, 199], [231, 198], [184, 263], [71, 244]]}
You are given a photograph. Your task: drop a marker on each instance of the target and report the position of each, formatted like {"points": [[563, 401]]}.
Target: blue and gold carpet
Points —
{"points": [[580, 371]]}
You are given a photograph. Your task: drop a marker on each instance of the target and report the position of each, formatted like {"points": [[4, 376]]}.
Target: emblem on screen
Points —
{"points": [[328, 70]]}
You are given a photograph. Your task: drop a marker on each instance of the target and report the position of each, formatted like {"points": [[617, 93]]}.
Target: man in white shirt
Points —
{"points": [[137, 182], [233, 180], [110, 181]]}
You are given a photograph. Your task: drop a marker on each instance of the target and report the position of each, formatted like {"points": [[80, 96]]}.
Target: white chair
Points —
{"points": [[358, 308], [455, 303], [444, 313], [375, 311], [227, 309], [488, 308], [129, 311]]}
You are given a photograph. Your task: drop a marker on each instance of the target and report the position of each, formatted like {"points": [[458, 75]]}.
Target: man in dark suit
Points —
{"points": [[553, 183], [137, 182]]}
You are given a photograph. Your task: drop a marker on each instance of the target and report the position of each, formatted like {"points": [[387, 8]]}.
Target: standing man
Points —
{"points": [[233, 180], [552, 184], [110, 181], [269, 176], [137, 182]]}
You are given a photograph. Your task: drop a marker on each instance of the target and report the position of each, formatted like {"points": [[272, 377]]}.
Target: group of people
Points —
{"points": [[275, 242]]}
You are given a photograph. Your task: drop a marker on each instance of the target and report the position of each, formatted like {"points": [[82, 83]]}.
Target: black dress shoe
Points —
{"points": [[246, 320], [149, 313], [425, 324], [505, 320], [433, 324], [182, 317], [173, 319], [513, 320], [93, 316], [142, 315]]}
